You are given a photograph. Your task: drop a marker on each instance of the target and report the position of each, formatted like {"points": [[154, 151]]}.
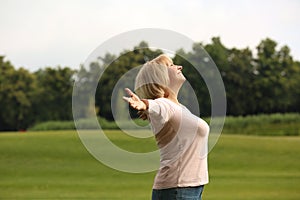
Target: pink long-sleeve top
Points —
{"points": [[182, 139]]}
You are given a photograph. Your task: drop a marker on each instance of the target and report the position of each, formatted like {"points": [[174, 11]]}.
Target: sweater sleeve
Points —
{"points": [[160, 111]]}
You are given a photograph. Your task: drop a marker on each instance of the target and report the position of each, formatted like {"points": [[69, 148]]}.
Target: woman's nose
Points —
{"points": [[179, 67]]}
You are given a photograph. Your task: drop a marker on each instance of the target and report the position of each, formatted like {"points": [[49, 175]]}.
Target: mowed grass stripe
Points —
{"points": [[55, 165]]}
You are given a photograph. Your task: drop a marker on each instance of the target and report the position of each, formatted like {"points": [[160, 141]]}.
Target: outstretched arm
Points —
{"points": [[135, 102]]}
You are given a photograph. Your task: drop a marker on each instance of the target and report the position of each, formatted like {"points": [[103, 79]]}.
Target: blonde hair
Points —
{"points": [[163, 59], [152, 80]]}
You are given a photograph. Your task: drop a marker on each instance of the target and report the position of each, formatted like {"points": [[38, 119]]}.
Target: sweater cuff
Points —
{"points": [[146, 102]]}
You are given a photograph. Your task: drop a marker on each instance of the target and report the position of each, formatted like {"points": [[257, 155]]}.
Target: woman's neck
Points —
{"points": [[173, 97]]}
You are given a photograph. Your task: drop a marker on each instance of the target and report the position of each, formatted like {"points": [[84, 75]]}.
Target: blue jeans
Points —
{"points": [[180, 193]]}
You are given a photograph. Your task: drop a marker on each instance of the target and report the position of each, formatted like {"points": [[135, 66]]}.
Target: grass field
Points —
{"points": [[55, 165]]}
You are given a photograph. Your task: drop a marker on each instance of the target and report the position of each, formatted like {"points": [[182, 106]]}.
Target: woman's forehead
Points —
{"points": [[166, 60]]}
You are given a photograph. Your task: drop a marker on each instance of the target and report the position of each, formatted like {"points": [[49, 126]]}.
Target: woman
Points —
{"points": [[181, 136]]}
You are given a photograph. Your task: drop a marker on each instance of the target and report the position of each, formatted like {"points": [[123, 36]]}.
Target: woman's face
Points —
{"points": [[175, 73]]}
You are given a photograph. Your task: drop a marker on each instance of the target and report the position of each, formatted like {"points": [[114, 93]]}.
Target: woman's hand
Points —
{"points": [[134, 101]]}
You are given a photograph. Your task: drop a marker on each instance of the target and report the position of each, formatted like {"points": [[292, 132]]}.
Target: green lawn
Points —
{"points": [[55, 165]]}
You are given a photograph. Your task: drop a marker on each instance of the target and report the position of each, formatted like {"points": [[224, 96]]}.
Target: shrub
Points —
{"points": [[87, 124], [273, 124]]}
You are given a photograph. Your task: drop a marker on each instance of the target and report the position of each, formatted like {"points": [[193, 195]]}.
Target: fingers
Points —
{"points": [[127, 99], [133, 100], [129, 92]]}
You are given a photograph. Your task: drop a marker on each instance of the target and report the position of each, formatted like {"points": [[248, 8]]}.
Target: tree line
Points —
{"points": [[265, 82]]}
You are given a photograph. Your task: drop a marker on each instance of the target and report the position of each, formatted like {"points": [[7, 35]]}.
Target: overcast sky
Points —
{"points": [[36, 33]]}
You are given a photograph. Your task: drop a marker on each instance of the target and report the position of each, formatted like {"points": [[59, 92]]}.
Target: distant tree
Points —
{"points": [[220, 54], [266, 82], [189, 61], [86, 80], [53, 100], [290, 79], [273, 69], [294, 82], [17, 89], [239, 82]]}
